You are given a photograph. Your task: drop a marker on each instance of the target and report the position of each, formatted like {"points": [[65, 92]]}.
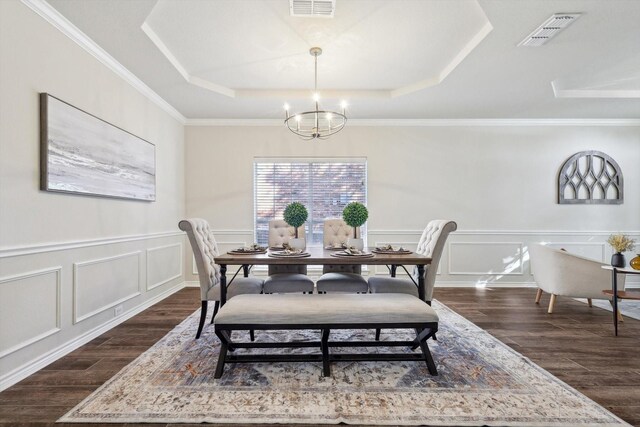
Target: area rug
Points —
{"points": [[481, 382]]}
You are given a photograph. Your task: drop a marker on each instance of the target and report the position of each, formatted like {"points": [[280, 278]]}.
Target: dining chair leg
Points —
{"points": [[590, 302], [215, 311], [378, 334], [552, 302], [203, 317], [538, 296]]}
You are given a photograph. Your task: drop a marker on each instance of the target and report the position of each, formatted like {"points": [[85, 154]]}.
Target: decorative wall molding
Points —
{"points": [[30, 367], [58, 272], [149, 251], [55, 18], [426, 122], [76, 268], [518, 272], [507, 232], [64, 246]]}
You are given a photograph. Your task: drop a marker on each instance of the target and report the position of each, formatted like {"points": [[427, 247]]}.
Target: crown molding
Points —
{"points": [[55, 18], [428, 122]]}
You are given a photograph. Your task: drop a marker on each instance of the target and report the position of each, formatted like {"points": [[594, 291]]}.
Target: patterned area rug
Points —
{"points": [[481, 382]]}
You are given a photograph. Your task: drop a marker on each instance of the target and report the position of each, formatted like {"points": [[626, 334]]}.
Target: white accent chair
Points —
{"points": [[205, 249], [340, 278], [286, 278], [558, 272]]}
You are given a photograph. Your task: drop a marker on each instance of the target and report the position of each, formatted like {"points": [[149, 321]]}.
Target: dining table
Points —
{"points": [[321, 256]]}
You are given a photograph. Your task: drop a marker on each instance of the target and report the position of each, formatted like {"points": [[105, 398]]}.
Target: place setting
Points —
{"points": [[391, 250], [352, 252], [254, 249], [289, 253]]}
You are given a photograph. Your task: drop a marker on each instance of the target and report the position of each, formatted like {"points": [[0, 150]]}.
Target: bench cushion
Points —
{"points": [[335, 309]]}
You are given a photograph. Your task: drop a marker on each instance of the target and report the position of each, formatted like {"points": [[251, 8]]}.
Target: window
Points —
{"points": [[324, 186]]}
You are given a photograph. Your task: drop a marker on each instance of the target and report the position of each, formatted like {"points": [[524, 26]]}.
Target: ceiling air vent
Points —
{"points": [[549, 28], [312, 8]]}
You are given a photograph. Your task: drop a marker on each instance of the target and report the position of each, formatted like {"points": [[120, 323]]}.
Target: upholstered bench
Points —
{"points": [[325, 312]]}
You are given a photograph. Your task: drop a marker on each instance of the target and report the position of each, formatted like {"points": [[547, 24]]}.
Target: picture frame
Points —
{"points": [[85, 155]]}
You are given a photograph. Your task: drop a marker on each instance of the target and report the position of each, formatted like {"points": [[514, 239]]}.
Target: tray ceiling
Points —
{"points": [[388, 58]]}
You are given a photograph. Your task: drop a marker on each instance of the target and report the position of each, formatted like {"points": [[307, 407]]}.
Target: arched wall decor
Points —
{"points": [[590, 177]]}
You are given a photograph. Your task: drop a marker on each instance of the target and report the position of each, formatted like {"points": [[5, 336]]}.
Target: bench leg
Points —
{"points": [[422, 338], [215, 311], [223, 353], [378, 334], [203, 317], [324, 344]]}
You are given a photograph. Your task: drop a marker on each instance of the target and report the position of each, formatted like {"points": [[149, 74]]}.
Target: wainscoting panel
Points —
{"points": [[485, 258], [164, 264], [104, 283], [30, 308]]}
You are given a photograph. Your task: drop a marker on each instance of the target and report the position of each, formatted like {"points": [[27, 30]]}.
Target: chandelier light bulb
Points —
{"points": [[343, 104], [315, 123]]}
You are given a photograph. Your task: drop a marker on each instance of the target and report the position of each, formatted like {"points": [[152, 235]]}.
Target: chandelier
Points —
{"points": [[317, 123]]}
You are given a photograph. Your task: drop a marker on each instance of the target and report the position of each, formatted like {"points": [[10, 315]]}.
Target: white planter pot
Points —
{"points": [[355, 243], [297, 244]]}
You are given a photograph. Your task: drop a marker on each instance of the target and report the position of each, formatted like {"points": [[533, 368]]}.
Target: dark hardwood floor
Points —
{"points": [[576, 344]]}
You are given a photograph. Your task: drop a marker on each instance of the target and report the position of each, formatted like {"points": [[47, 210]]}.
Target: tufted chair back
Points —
{"points": [[336, 231], [205, 249], [280, 232], [431, 244]]}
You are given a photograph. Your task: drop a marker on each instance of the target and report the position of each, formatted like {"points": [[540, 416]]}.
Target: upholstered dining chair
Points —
{"points": [[286, 278], [205, 249], [431, 244], [340, 278]]}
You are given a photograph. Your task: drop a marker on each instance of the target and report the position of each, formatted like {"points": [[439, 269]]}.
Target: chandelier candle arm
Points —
{"points": [[316, 124]]}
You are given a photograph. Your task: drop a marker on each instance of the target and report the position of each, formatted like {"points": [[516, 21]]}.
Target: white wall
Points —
{"points": [[67, 262], [497, 182]]}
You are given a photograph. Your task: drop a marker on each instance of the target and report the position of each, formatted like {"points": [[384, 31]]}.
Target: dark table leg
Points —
{"points": [[614, 283], [421, 290], [393, 270], [223, 284], [245, 270]]}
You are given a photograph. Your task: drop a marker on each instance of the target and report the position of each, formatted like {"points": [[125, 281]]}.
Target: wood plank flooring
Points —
{"points": [[576, 344]]}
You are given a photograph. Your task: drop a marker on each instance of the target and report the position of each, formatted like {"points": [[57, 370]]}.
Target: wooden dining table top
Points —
{"points": [[320, 256]]}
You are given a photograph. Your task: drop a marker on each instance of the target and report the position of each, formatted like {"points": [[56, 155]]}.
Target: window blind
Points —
{"points": [[324, 186]]}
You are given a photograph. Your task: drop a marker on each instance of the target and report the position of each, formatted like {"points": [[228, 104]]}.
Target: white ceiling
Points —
{"points": [[388, 58]]}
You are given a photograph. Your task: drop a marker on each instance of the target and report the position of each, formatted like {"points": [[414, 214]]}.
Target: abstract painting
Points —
{"points": [[83, 154]]}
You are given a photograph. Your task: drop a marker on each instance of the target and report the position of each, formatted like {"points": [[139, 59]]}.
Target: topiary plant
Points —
{"points": [[355, 214], [295, 214]]}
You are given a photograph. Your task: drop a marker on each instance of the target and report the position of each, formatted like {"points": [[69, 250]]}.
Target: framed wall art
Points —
{"points": [[82, 154]]}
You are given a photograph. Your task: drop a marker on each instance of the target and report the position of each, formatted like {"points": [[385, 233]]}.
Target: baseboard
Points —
{"points": [[33, 366], [486, 285]]}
